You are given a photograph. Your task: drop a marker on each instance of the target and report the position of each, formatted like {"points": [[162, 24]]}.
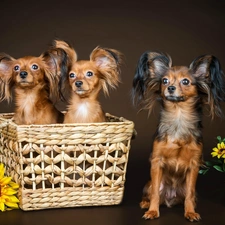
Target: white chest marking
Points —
{"points": [[82, 110]]}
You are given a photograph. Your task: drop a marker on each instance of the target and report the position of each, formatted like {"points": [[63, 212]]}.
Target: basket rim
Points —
{"points": [[122, 120]]}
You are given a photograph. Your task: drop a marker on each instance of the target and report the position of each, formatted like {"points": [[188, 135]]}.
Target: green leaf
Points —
{"points": [[216, 161], [209, 163], [219, 138], [219, 168], [224, 167], [203, 172]]}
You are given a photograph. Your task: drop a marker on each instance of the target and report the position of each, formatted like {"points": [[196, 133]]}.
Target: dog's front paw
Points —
{"points": [[151, 214], [192, 216], [144, 204]]}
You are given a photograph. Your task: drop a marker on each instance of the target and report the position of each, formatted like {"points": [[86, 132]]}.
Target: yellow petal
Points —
{"points": [[218, 146], [2, 171], [5, 180], [9, 191], [12, 199], [12, 205], [214, 154], [2, 198], [222, 145], [215, 149], [2, 206], [14, 185]]}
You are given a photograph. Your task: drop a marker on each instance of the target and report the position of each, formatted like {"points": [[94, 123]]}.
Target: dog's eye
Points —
{"points": [[34, 67], [89, 73], [72, 75], [16, 68], [185, 81], [165, 81]]}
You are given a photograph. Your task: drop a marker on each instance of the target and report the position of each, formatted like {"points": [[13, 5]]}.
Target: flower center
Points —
{"points": [[221, 151]]}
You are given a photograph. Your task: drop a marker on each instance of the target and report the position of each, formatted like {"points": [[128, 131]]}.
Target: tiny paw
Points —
{"points": [[192, 216], [144, 204], [153, 214]]}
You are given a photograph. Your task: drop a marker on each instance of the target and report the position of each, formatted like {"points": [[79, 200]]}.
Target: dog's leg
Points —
{"points": [[154, 196], [145, 202], [189, 204]]}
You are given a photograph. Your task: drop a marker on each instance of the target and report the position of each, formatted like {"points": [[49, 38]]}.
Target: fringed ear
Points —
{"points": [[55, 61], [108, 62], [146, 83], [6, 81], [71, 53], [211, 81], [69, 59]]}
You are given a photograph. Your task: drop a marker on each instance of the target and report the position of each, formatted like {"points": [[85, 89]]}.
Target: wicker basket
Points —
{"points": [[66, 165]]}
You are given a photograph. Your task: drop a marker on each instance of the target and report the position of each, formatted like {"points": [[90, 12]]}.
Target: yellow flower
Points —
{"points": [[219, 151], [8, 189]]}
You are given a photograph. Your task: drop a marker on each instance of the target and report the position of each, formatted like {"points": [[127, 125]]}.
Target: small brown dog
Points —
{"points": [[177, 147], [35, 81], [85, 79]]}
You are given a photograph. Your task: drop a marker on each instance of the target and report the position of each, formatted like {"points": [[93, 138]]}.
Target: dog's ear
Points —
{"points": [[69, 58], [149, 71], [71, 53], [108, 61], [211, 81], [55, 61], [6, 81]]}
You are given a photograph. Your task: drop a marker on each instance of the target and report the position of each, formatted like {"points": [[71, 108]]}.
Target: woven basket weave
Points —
{"points": [[66, 165]]}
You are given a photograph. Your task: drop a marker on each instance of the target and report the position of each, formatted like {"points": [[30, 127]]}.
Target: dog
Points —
{"points": [[177, 147], [34, 81], [85, 79]]}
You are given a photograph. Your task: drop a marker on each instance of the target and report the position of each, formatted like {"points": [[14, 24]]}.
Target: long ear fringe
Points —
{"points": [[146, 83], [5, 90], [140, 80], [6, 82], [71, 53], [67, 60], [217, 86], [109, 63], [53, 70], [212, 83]]}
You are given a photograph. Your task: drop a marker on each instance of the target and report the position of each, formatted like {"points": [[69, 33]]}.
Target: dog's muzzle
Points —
{"points": [[23, 74], [78, 83]]}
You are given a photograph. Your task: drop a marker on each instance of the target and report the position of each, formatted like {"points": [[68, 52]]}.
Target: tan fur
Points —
{"points": [[104, 66], [32, 91], [177, 148], [176, 155]]}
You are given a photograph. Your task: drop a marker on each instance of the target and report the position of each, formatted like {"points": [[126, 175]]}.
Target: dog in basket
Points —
{"points": [[85, 79], [34, 81], [177, 147]]}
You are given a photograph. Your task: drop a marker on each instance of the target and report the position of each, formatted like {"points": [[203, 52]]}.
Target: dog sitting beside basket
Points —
{"points": [[177, 147]]}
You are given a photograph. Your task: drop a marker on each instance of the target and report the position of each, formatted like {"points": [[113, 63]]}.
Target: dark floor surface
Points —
{"points": [[210, 205]]}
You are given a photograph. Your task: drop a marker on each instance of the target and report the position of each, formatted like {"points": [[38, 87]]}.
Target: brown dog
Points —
{"points": [[177, 147], [35, 81], [85, 79]]}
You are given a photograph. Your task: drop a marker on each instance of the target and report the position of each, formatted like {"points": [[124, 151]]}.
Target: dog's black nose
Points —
{"points": [[171, 89], [78, 83], [23, 74]]}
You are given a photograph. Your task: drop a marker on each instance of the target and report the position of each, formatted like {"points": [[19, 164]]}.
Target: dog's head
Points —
{"points": [[156, 78], [87, 77], [28, 72]]}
